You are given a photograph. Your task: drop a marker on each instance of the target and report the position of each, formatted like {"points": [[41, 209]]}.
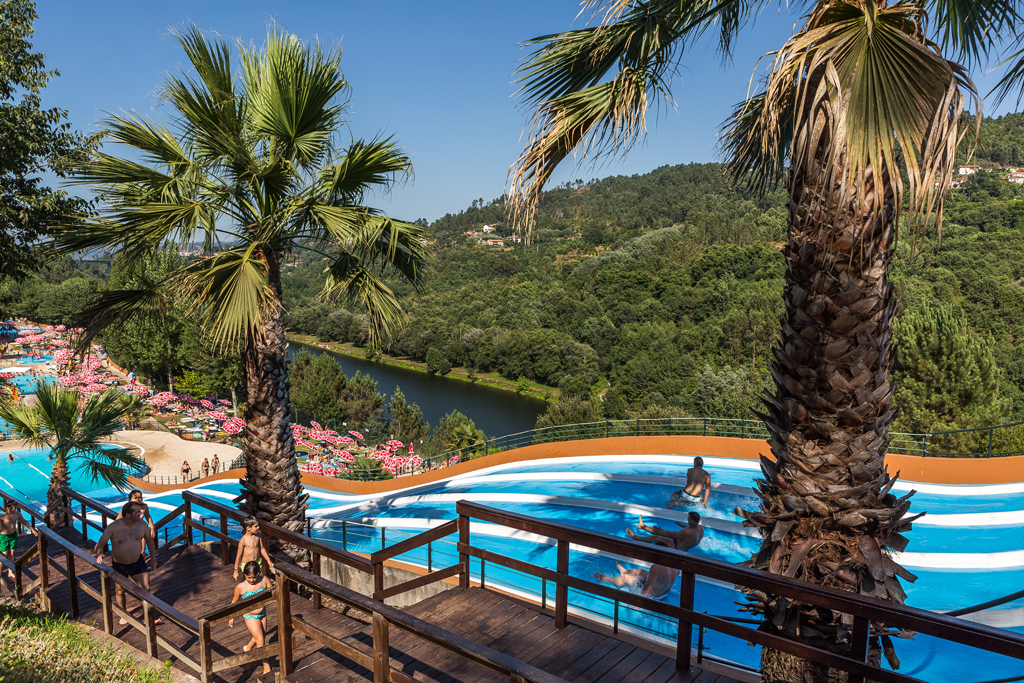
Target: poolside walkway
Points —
{"points": [[192, 580]]}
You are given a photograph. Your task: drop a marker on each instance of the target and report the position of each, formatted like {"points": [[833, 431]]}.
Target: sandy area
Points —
{"points": [[164, 452]]}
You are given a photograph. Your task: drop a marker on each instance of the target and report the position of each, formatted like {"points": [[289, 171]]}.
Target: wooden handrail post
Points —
{"points": [[149, 619], [107, 591], [860, 636], [72, 582], [223, 544], [284, 624], [562, 589], [185, 521], [316, 570], [205, 652], [381, 650], [687, 586], [44, 571], [463, 557], [378, 579], [85, 527]]}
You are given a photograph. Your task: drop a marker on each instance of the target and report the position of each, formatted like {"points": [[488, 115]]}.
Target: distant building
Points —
{"points": [[495, 242], [513, 238], [489, 228], [967, 170], [1016, 177]]}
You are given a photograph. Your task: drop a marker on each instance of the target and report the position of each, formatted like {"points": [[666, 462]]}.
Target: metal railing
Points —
{"points": [[981, 442]]}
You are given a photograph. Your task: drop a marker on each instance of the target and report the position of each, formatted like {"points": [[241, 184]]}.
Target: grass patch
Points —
{"points": [[37, 647]]}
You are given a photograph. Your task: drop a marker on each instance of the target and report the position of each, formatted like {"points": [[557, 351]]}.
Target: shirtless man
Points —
{"points": [[655, 582], [687, 537], [127, 536], [9, 530], [251, 548], [698, 482], [135, 496]]}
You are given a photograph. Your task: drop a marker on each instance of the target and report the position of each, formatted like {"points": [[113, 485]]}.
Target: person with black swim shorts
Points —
{"points": [[128, 535]]}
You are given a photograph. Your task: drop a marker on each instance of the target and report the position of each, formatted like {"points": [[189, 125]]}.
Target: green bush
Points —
{"points": [[38, 648]]}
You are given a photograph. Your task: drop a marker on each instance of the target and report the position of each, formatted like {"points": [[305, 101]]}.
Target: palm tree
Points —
{"points": [[254, 169], [135, 409], [857, 100], [73, 430]]}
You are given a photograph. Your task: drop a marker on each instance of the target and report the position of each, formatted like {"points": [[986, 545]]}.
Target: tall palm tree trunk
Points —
{"points": [[827, 515], [272, 480], [59, 478]]}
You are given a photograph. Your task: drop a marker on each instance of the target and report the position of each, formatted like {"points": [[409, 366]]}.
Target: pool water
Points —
{"points": [[606, 494], [27, 384], [28, 477]]}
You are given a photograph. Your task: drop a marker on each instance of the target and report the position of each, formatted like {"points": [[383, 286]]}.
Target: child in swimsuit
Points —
{"points": [[253, 583]]}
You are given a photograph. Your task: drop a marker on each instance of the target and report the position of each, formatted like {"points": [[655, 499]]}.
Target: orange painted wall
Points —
{"points": [[913, 468]]}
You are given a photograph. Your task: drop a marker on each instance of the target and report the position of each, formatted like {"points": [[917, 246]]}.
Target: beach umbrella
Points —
{"points": [[158, 401], [224, 402], [410, 449], [217, 416], [357, 435], [346, 439], [396, 443], [316, 425], [206, 404]]}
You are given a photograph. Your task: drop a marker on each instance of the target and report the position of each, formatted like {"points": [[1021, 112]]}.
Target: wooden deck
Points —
{"points": [[194, 581]]}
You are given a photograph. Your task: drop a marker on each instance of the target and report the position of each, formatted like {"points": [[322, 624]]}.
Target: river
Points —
{"points": [[496, 411]]}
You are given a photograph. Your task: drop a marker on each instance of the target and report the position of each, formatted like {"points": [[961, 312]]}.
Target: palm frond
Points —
{"points": [[866, 83], [291, 88], [1013, 80], [232, 291], [348, 278], [364, 165], [970, 28], [122, 306], [577, 109]]}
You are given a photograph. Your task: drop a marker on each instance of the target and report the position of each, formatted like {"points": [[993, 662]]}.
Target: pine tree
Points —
{"points": [[947, 379], [407, 423]]}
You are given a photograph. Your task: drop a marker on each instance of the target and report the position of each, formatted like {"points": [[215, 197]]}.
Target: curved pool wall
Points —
{"points": [[606, 493]]}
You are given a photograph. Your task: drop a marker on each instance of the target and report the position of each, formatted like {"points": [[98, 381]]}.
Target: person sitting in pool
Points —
{"points": [[686, 538], [655, 582], [10, 457], [698, 482]]}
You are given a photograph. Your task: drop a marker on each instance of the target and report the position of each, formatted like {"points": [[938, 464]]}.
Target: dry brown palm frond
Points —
{"points": [[858, 88]]}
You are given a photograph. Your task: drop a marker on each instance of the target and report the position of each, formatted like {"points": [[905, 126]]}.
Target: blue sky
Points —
{"points": [[436, 75]]}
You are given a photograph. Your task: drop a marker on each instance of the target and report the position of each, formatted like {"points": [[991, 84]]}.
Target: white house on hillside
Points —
{"points": [[967, 170], [489, 228]]}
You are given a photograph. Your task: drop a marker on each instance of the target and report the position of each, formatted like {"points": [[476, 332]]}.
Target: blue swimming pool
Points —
{"points": [[607, 494], [28, 477]]}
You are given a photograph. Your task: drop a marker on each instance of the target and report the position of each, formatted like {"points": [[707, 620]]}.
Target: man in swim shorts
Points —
{"points": [[655, 582], [698, 482], [686, 538], [9, 530], [127, 536]]}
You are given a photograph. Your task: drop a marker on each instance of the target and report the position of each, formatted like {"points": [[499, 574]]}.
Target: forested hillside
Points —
{"points": [[657, 295], [660, 294]]}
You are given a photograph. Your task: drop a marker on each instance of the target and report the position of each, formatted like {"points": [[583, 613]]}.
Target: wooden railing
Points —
{"points": [[17, 567], [864, 610], [379, 660]]}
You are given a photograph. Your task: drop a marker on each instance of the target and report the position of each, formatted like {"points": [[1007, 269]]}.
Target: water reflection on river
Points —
{"points": [[495, 411]]}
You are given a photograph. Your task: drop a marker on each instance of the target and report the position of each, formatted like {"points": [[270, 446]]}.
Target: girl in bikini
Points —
{"points": [[253, 583]]}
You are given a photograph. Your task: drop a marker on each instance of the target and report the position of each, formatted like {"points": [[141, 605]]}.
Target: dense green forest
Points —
{"points": [[659, 295]]}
